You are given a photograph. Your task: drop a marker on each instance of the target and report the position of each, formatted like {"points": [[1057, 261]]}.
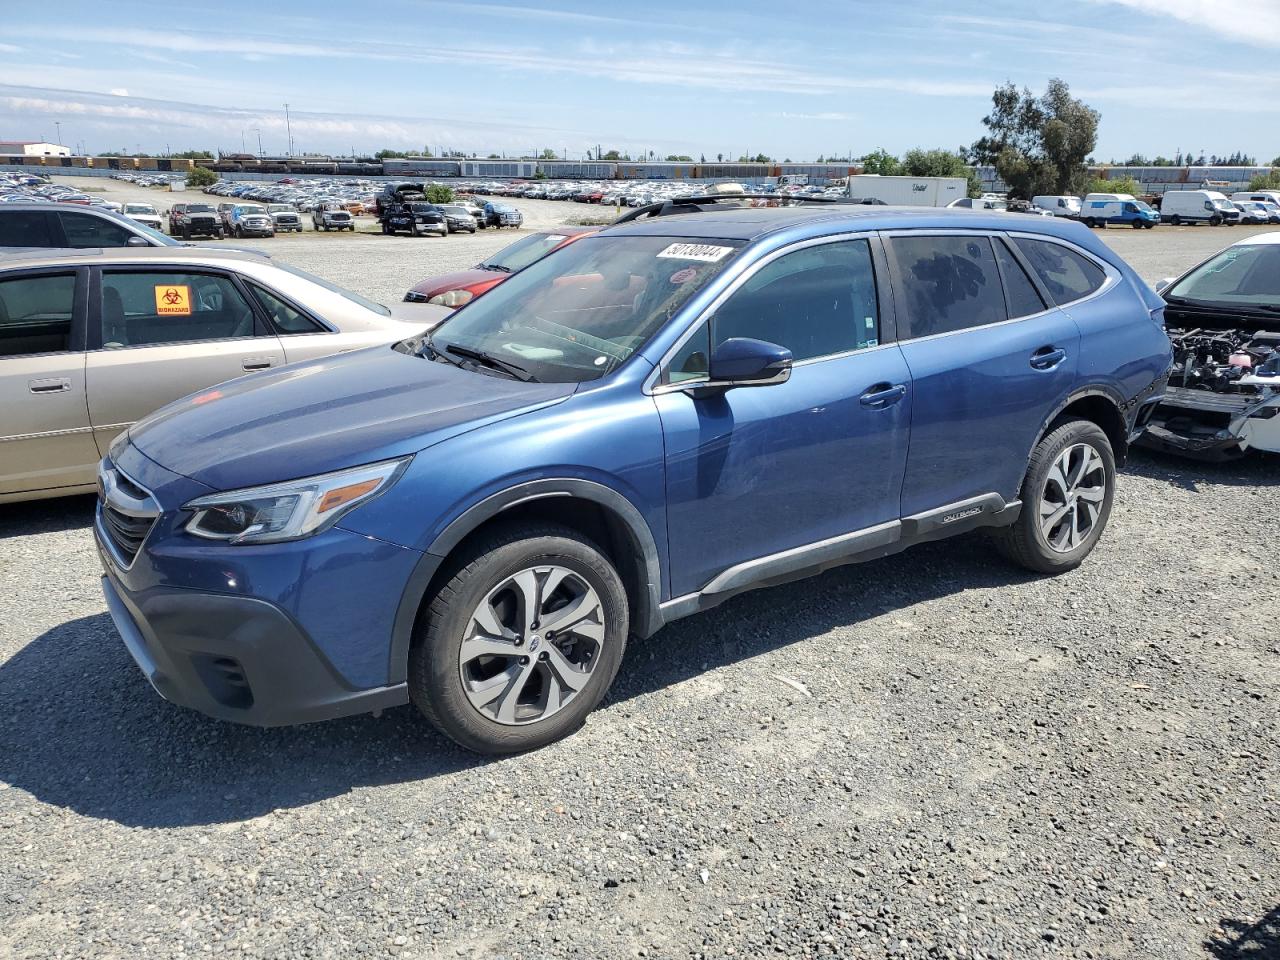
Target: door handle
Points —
{"points": [[883, 395], [1046, 358], [53, 385], [256, 363]]}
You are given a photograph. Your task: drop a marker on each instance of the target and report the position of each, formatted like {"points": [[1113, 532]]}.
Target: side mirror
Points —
{"points": [[1165, 284], [137, 242], [744, 362]]}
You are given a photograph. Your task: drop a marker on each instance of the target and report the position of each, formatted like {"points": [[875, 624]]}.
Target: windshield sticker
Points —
{"points": [[684, 276], [173, 300], [695, 251]]}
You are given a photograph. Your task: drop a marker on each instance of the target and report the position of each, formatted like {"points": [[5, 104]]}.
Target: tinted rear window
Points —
{"points": [[1067, 275], [1023, 297], [26, 228], [952, 283]]}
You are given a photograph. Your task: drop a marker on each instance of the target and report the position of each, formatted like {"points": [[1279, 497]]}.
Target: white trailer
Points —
{"points": [[908, 191]]}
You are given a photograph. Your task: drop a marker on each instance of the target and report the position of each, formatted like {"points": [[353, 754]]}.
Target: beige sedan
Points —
{"points": [[93, 340]]}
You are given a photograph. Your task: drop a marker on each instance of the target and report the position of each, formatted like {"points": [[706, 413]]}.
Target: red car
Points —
{"points": [[455, 289]]}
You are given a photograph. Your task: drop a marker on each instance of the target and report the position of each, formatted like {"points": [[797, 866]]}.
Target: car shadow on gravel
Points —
{"points": [[1251, 470], [46, 516], [81, 729], [1247, 939]]}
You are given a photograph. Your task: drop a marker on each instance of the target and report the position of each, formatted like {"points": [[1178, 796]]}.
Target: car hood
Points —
{"points": [[323, 415], [459, 280]]}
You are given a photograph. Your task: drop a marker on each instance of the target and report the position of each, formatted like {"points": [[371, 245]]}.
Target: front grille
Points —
{"points": [[128, 512]]}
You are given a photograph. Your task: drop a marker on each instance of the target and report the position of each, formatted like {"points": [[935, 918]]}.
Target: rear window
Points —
{"points": [[26, 228], [1067, 275], [952, 283]]}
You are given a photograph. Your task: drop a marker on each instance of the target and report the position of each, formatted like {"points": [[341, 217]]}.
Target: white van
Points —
{"points": [[1102, 209], [1261, 196], [1059, 206], [1197, 206]]}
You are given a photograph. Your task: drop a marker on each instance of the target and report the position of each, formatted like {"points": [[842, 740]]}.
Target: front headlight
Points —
{"points": [[454, 298], [291, 510]]}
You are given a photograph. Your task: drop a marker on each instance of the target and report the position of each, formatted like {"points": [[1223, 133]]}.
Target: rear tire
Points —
{"points": [[1090, 222], [497, 590], [1066, 499]]}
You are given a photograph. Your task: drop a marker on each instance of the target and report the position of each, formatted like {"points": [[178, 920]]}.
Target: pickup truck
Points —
{"points": [[499, 215], [286, 218], [332, 215], [415, 217], [189, 220], [251, 220]]}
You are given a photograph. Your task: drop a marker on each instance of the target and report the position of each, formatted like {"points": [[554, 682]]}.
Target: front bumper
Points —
{"points": [[267, 635], [234, 658]]}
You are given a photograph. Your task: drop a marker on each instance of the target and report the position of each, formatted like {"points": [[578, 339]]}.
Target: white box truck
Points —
{"points": [[908, 191]]}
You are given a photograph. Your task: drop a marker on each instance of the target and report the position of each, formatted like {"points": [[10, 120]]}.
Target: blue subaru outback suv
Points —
{"points": [[703, 400]]}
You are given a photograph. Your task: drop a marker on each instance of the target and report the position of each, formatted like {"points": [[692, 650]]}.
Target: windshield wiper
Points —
{"points": [[505, 366], [495, 266], [429, 347]]}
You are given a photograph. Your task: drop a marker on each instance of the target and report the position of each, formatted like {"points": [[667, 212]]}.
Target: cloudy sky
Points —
{"points": [[673, 77]]}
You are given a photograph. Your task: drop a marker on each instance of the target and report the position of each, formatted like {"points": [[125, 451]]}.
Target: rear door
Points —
{"points": [[45, 440], [159, 333], [30, 228], [989, 360]]}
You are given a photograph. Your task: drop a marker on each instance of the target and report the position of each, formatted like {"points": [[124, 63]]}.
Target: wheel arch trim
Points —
{"points": [[645, 621]]}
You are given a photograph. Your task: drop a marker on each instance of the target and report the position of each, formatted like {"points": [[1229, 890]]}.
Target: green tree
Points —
{"points": [[548, 155], [1038, 145], [679, 158], [1266, 181], [438, 193], [612, 155], [1114, 185], [940, 163], [390, 154], [882, 162], [193, 155], [201, 177]]}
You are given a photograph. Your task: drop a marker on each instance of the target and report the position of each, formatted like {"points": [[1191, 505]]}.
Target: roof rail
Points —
{"points": [[702, 204]]}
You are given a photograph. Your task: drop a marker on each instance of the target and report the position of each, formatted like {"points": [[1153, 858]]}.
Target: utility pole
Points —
{"points": [[288, 129], [259, 133], [58, 125]]}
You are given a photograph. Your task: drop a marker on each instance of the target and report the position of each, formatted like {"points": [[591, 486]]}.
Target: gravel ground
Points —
{"points": [[929, 756]]}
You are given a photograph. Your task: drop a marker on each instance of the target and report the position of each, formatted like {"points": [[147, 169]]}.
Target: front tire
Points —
{"points": [[1066, 499], [521, 642]]}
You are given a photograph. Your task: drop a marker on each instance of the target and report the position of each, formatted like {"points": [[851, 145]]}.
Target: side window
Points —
{"points": [[951, 283], [691, 360], [35, 314], [815, 302], [143, 309], [27, 228], [284, 317], [1066, 274], [1021, 293], [85, 230]]}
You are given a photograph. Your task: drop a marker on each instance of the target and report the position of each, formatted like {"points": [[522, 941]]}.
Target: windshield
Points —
{"points": [[1142, 205], [250, 208], [421, 207], [579, 314], [200, 208], [139, 208], [524, 252], [341, 291], [1245, 275], [279, 208]]}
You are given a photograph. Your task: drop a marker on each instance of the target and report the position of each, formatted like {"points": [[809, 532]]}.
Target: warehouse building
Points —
{"points": [[34, 148]]}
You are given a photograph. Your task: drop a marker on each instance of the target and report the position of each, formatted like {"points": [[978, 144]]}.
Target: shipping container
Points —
{"points": [[908, 191]]}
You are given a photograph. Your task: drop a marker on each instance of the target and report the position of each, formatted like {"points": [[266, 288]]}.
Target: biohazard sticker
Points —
{"points": [[173, 300], [695, 251]]}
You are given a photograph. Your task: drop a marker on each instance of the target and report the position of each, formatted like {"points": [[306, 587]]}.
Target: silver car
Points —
{"points": [[93, 340]]}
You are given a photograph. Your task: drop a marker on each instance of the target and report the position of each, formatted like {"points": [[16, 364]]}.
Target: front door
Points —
{"points": [[45, 442], [161, 333], [755, 471]]}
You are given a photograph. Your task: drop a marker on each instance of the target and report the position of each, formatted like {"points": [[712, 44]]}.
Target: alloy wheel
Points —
{"points": [[531, 645], [1071, 503]]}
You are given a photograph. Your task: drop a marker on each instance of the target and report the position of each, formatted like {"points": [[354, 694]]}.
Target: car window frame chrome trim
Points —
{"points": [[653, 385]]}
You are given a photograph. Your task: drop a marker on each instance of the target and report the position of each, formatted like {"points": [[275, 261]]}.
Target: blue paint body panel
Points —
{"points": [[709, 480]]}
